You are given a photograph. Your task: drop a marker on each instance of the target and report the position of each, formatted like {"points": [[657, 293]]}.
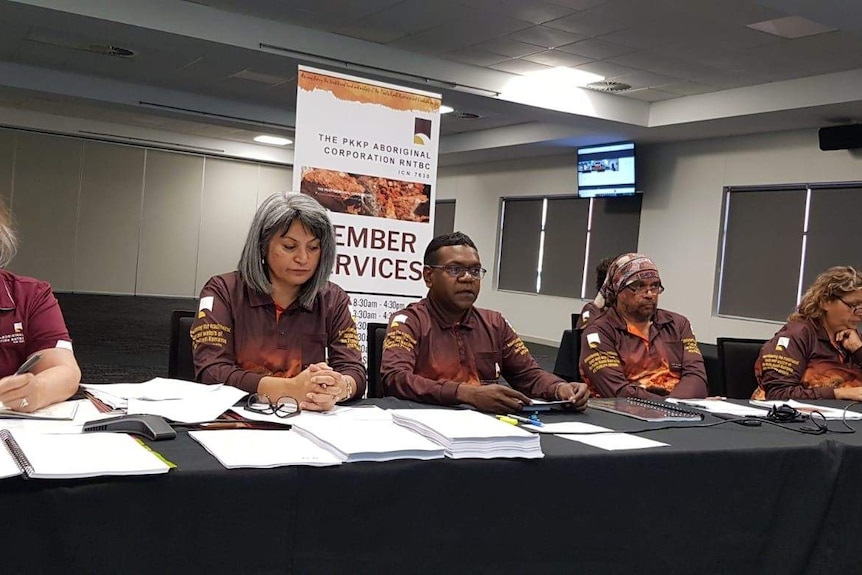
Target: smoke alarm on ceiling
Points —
{"points": [[607, 86], [109, 50]]}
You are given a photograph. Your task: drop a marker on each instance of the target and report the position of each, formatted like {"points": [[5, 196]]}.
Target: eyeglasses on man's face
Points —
{"points": [[457, 270], [282, 407], [644, 290], [854, 309]]}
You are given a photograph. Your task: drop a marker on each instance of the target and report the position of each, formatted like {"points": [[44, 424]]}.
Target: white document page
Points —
{"points": [[720, 406], [610, 441], [236, 448], [63, 410], [200, 407], [156, 389], [87, 455], [831, 413]]}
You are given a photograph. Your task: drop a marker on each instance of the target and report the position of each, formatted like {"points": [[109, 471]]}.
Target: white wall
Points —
{"points": [[680, 224]]}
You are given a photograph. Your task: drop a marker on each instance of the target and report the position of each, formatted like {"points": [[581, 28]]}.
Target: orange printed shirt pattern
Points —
{"points": [[425, 358], [239, 337], [801, 362], [616, 361]]}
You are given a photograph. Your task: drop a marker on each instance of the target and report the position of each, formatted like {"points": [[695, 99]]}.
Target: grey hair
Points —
{"points": [[273, 218], [8, 239]]}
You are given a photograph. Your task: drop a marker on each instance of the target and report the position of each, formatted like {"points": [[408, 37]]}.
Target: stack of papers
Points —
{"points": [[831, 413], [466, 433], [352, 439], [721, 406], [65, 410], [236, 448]]}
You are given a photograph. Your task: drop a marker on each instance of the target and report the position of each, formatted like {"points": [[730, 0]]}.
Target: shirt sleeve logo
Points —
{"points": [[205, 305], [593, 340], [18, 327], [782, 344], [398, 320]]}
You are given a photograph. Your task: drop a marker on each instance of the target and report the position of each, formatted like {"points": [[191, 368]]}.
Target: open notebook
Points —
{"points": [[65, 410], [48, 456]]}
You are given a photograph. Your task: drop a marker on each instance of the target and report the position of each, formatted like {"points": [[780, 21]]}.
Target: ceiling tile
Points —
{"points": [[646, 79], [607, 69], [534, 11], [369, 33], [414, 15], [508, 47], [470, 29], [475, 56], [596, 49], [579, 4], [585, 24], [546, 37], [519, 67], [649, 95], [557, 58]]}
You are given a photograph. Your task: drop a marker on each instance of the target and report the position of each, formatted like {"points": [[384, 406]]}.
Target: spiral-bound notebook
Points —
{"points": [[645, 409], [67, 456]]}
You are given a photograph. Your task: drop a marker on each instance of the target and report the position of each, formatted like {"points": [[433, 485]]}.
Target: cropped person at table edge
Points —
{"points": [[636, 349], [591, 310], [277, 326], [444, 350], [818, 352], [31, 323]]}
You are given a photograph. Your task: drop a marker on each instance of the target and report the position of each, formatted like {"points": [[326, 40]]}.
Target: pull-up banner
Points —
{"points": [[367, 151]]}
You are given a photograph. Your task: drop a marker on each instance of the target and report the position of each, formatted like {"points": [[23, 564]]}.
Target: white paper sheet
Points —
{"points": [[200, 407], [830, 413], [720, 406], [236, 448]]}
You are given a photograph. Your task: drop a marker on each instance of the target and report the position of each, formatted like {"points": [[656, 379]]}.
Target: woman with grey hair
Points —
{"points": [[818, 352], [276, 326], [37, 365]]}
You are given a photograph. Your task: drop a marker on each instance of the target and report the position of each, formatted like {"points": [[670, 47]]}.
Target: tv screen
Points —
{"points": [[607, 170]]}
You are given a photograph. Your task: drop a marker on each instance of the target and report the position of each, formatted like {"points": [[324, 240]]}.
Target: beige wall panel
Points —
{"points": [[109, 218], [273, 179], [171, 220], [45, 206], [7, 159], [229, 203]]}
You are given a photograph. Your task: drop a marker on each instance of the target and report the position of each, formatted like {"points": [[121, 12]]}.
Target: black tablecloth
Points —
{"points": [[729, 499]]}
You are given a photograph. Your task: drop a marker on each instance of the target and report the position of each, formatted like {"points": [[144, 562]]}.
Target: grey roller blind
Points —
{"points": [[763, 243], [444, 217], [519, 245], [834, 231], [565, 246], [615, 229]]}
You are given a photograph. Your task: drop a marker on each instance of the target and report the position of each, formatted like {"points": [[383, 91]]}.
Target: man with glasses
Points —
{"points": [[636, 349], [444, 350]]}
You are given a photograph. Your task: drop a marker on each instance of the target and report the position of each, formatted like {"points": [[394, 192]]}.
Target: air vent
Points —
{"points": [[465, 115], [109, 50], [606, 86]]}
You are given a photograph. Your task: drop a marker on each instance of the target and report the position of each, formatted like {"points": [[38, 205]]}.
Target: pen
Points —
{"points": [[523, 419], [28, 365], [507, 419]]}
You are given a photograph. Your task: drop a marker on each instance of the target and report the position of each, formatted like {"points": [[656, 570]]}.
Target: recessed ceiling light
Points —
{"points": [[791, 27], [273, 140], [446, 109]]}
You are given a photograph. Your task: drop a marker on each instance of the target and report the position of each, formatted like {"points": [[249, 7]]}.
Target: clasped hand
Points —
{"points": [[323, 387]]}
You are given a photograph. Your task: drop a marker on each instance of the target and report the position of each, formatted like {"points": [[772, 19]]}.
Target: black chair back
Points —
{"points": [[374, 344], [180, 362], [569, 355], [576, 319], [736, 358]]}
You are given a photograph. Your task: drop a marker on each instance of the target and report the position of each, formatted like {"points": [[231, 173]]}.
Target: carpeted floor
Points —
{"points": [[124, 339]]}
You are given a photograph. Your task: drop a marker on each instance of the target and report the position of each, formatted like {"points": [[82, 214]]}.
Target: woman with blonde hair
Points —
{"points": [[818, 353], [32, 331]]}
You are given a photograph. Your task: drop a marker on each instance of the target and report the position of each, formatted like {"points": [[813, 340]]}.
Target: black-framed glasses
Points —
{"points": [[456, 270], [854, 309], [282, 407], [643, 290]]}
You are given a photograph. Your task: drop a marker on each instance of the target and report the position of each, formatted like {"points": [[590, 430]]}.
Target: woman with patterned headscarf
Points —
{"points": [[818, 352], [636, 349]]}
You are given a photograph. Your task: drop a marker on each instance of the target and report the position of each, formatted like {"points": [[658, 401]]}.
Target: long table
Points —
{"points": [[727, 499]]}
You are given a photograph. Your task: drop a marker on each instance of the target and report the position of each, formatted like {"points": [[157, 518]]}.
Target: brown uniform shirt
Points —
{"points": [[425, 358], [590, 312], [237, 339], [30, 320], [801, 362], [617, 362]]}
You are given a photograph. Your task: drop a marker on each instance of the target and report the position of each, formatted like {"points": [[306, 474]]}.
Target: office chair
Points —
{"points": [[736, 358], [180, 363], [576, 319], [569, 355], [374, 344]]}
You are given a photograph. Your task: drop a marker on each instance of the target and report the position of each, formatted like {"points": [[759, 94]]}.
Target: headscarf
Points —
{"points": [[624, 271]]}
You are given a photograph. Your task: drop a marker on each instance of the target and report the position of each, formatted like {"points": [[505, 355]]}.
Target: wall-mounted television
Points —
{"points": [[606, 170]]}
